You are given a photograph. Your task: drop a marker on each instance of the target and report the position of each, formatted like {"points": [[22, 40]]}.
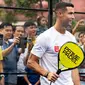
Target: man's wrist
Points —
{"points": [[13, 44], [1, 76], [46, 74]]}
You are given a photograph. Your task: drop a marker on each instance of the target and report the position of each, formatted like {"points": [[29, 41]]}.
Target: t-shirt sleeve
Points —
{"points": [[40, 46]]}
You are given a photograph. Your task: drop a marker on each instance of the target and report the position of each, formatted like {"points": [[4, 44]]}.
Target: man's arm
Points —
{"points": [[1, 71], [76, 26], [9, 49], [38, 82], [33, 64], [26, 79], [75, 77]]}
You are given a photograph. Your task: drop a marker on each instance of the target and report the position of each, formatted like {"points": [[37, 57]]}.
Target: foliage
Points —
{"points": [[26, 4], [8, 2], [10, 18], [9, 14], [73, 23]]}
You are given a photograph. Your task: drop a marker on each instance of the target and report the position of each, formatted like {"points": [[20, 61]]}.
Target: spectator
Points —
{"points": [[3, 53], [76, 26], [80, 38], [42, 25], [1, 68], [82, 66], [10, 60], [20, 32], [30, 28]]}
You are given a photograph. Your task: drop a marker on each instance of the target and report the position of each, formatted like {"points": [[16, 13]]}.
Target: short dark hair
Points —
{"points": [[39, 19], [29, 23], [63, 5], [0, 27], [81, 33], [3, 24], [15, 27]]}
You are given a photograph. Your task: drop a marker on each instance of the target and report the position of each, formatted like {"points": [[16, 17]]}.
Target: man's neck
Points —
{"points": [[59, 28], [6, 40]]}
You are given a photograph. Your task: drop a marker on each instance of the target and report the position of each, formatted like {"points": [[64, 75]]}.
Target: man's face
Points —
{"points": [[81, 37], [31, 31], [19, 31], [68, 16], [1, 31], [7, 32]]}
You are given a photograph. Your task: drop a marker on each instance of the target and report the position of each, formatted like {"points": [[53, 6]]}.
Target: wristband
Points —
{"points": [[1, 76], [46, 74]]}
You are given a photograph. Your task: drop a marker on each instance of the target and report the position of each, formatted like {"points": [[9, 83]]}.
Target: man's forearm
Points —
{"points": [[36, 67], [8, 50], [75, 77]]}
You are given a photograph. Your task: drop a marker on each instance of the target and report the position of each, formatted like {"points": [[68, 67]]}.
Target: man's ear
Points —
{"points": [[59, 13], [26, 30]]}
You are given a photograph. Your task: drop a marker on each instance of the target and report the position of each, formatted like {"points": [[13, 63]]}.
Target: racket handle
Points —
{"points": [[59, 71], [50, 82]]}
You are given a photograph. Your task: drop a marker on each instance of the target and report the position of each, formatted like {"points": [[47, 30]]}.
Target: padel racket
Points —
{"points": [[70, 56]]}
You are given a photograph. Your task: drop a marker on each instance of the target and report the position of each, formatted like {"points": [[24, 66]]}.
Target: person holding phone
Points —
{"points": [[3, 53], [47, 47], [10, 57]]}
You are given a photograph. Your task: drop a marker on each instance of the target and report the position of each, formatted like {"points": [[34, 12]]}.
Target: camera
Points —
{"points": [[23, 42], [1, 39]]}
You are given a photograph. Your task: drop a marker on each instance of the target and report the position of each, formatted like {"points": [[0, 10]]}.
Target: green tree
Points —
{"points": [[9, 15]]}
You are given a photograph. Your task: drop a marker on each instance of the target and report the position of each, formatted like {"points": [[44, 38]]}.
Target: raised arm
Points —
{"points": [[76, 26], [8, 50]]}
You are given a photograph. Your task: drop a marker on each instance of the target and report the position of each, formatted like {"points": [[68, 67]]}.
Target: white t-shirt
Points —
{"points": [[20, 63], [46, 48]]}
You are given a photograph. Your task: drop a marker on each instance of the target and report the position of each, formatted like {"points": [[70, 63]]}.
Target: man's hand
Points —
{"points": [[16, 40], [29, 84], [81, 22], [52, 76]]}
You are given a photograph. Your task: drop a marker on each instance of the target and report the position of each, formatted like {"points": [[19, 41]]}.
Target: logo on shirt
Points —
{"points": [[56, 48]]}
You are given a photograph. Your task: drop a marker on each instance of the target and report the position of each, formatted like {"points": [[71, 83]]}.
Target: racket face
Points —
{"points": [[71, 55]]}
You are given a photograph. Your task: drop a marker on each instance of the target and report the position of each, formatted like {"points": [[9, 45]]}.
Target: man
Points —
{"points": [[4, 53], [10, 59], [30, 29], [47, 47], [18, 31], [82, 66]]}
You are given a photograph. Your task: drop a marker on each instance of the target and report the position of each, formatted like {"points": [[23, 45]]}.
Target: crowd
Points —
{"points": [[16, 46], [23, 47]]}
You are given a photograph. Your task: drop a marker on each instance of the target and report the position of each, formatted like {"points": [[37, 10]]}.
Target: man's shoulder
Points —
{"points": [[69, 34]]}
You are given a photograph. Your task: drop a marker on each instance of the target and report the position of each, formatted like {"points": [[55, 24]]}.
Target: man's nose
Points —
{"points": [[73, 17]]}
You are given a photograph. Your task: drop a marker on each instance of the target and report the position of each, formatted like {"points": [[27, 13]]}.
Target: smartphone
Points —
{"points": [[1, 39], [23, 41]]}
